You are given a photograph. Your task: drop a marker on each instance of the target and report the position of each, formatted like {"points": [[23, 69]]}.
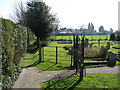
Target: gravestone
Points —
{"points": [[111, 59], [86, 42], [108, 45], [90, 45], [99, 42]]}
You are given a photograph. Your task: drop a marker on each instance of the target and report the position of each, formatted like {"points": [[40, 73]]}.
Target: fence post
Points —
{"points": [[71, 58], [56, 55], [43, 53]]}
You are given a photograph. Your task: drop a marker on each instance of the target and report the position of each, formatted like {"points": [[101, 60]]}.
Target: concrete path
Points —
{"points": [[103, 70], [32, 78]]}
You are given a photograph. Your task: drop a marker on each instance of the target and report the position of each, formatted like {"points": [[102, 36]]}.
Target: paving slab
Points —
{"points": [[32, 78]]}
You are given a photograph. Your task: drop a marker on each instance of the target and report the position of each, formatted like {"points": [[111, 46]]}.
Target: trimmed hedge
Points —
{"points": [[14, 44]]}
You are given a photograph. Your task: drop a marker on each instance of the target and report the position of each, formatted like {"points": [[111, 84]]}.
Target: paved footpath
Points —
{"points": [[32, 78]]}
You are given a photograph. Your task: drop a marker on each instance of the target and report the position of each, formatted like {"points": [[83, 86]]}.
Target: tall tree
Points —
{"points": [[90, 26], [40, 20], [101, 29], [111, 30]]}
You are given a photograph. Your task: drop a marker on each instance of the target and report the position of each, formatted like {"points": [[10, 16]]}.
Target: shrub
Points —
{"points": [[112, 37], [14, 43]]}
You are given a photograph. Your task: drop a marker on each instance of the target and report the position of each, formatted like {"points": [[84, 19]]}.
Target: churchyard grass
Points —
{"points": [[91, 82], [50, 65]]}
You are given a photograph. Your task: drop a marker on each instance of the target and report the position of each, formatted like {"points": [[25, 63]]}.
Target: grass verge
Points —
{"points": [[92, 82]]}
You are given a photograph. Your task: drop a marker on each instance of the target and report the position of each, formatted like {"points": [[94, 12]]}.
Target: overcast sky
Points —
{"points": [[75, 13]]}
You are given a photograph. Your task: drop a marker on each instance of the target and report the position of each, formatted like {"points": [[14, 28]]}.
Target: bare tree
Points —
{"points": [[18, 15]]}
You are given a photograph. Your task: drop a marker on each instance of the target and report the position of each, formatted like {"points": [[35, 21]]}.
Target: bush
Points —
{"points": [[14, 43], [112, 37], [115, 36]]}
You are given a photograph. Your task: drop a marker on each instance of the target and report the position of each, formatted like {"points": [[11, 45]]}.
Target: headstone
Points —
{"points": [[91, 45], [99, 42], [108, 45], [111, 59], [86, 42]]}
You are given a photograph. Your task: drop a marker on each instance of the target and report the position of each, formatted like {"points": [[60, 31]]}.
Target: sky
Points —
{"points": [[76, 13]]}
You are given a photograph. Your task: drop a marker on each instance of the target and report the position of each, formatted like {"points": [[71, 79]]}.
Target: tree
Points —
{"points": [[115, 36], [111, 30], [90, 26], [18, 15], [40, 20], [112, 37], [101, 29]]}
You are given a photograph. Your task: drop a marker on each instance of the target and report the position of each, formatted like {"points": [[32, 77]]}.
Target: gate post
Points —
{"points": [[74, 50], [82, 59], [76, 53]]}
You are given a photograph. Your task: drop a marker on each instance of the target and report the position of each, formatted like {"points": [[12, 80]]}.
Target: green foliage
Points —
{"points": [[112, 37], [13, 48], [40, 20], [115, 36]]}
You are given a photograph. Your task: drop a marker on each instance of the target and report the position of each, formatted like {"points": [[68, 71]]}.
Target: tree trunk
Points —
{"points": [[28, 38], [38, 42], [40, 51]]}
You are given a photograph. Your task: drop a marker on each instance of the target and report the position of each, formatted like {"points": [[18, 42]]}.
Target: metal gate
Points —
{"points": [[57, 55]]}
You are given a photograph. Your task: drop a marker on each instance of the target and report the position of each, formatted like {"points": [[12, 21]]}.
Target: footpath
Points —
{"points": [[32, 78]]}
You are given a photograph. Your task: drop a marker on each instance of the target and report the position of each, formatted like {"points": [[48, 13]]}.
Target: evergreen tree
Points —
{"points": [[89, 26], [40, 20], [92, 27], [101, 29], [111, 30], [112, 37]]}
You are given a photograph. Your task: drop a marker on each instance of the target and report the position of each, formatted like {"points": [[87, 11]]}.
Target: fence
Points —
{"points": [[57, 55], [80, 55], [90, 37]]}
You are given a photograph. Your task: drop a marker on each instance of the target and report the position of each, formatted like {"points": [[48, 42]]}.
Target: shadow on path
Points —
{"points": [[49, 67], [74, 85], [68, 86], [32, 65]]}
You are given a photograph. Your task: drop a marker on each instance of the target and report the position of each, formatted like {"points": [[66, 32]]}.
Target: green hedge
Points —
{"points": [[14, 44]]}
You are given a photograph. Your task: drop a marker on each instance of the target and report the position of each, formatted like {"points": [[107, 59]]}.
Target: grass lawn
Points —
{"points": [[86, 36], [92, 82], [64, 59]]}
